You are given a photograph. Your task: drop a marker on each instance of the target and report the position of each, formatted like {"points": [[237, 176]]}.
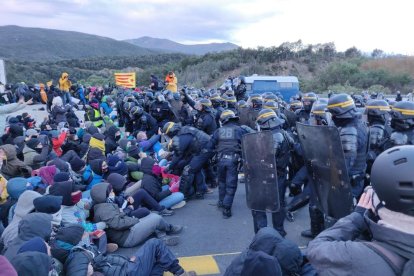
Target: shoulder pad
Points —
{"points": [[247, 129]]}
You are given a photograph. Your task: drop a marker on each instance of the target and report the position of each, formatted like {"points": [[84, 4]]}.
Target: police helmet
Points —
{"points": [[242, 104], [159, 97], [295, 105], [136, 111], [170, 129], [271, 105], [228, 115], [128, 106], [267, 119], [206, 103], [342, 106], [229, 93], [308, 99], [402, 115], [269, 97], [377, 110], [395, 190]]}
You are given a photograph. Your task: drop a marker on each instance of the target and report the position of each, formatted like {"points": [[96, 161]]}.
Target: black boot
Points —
{"points": [[226, 213], [317, 223]]}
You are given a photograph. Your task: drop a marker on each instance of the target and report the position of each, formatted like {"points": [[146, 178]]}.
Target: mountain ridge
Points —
{"points": [[167, 45]]}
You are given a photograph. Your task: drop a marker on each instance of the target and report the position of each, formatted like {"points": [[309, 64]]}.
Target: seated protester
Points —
{"points": [[122, 149], [72, 119], [94, 173], [10, 166], [386, 212], [52, 205], [84, 145], [34, 258], [23, 207], [77, 168], [15, 187], [96, 147], [91, 129], [59, 110], [148, 145], [152, 183], [47, 173], [58, 140], [73, 209], [15, 129], [128, 231], [28, 121], [72, 143], [93, 114], [269, 254], [152, 258], [36, 152], [113, 134], [139, 201], [106, 106], [32, 225], [116, 165]]}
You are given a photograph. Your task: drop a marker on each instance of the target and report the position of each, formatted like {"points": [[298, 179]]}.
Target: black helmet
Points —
{"points": [[256, 100], [228, 115], [308, 99], [342, 106], [269, 97], [377, 110], [149, 95], [229, 93], [230, 100], [206, 103], [295, 105], [242, 104], [242, 79], [128, 106], [402, 115], [267, 119], [396, 189], [271, 105], [319, 112], [170, 129], [136, 111]]}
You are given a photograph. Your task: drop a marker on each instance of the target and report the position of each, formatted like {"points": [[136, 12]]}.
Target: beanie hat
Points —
{"points": [[61, 177], [33, 143], [16, 186], [48, 204], [77, 164], [117, 181], [60, 164], [35, 244]]}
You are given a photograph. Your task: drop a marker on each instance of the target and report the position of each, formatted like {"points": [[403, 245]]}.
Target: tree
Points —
{"points": [[377, 53]]}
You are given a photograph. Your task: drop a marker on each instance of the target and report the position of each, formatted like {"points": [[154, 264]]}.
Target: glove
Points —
{"points": [[175, 187]]}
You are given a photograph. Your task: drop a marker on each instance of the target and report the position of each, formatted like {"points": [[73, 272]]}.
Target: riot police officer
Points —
{"points": [[230, 103], [402, 124], [142, 121], [226, 141], [191, 152], [319, 115], [160, 110], [268, 120], [204, 119], [378, 129], [241, 89], [217, 103], [353, 135], [303, 114]]}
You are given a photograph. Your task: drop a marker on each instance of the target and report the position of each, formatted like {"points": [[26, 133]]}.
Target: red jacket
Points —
{"points": [[58, 142]]}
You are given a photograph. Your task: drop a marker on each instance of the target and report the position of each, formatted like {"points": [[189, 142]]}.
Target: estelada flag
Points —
{"points": [[125, 79]]}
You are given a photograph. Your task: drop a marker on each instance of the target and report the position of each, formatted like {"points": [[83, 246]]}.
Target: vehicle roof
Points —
{"points": [[276, 78]]}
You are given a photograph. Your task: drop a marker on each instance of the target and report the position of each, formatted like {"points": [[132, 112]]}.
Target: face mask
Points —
{"points": [[117, 137]]}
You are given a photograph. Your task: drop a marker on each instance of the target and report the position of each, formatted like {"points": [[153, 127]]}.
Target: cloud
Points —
{"points": [[365, 24]]}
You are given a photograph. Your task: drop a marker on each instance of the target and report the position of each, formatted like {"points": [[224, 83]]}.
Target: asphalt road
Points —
{"points": [[208, 242]]}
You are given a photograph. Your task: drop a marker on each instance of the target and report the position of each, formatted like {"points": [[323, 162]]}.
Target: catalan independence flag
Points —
{"points": [[125, 79]]}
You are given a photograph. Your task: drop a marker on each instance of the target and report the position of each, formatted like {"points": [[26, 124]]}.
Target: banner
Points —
{"points": [[125, 79]]}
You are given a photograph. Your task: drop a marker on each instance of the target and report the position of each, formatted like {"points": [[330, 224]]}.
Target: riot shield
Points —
{"points": [[175, 106], [248, 117], [324, 158], [259, 167]]}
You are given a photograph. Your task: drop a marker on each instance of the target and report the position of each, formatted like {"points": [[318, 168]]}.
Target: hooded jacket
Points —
{"points": [[119, 224], [93, 173], [32, 263], [268, 254], [13, 167], [24, 206], [150, 182], [335, 251], [64, 82], [172, 83], [34, 159], [32, 225]]}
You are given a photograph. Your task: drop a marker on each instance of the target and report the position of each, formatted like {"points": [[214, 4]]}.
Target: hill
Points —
{"points": [[319, 68], [37, 44], [170, 46]]}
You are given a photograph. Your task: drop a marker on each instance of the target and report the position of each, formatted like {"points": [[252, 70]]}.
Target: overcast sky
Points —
{"points": [[366, 24]]}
